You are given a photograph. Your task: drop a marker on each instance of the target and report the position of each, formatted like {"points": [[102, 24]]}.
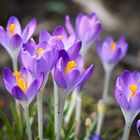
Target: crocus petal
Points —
{"points": [[28, 48], [68, 25], [74, 50], [60, 31], [15, 42], [9, 77], [121, 99], [72, 77], [65, 56], [29, 30], [19, 94], [15, 21], [86, 75], [32, 90], [138, 127], [59, 78], [44, 36], [4, 39], [128, 78], [78, 18], [135, 102]]}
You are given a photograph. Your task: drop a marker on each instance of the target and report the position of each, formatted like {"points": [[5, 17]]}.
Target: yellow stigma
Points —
{"points": [[59, 36], [70, 66], [113, 46], [39, 51], [11, 28], [22, 83], [133, 89]]}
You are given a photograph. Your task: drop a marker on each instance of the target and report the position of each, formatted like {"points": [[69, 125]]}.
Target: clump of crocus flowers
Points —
{"points": [[62, 55]]}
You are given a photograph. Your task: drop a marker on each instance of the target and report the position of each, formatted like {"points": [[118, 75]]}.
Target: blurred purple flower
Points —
{"points": [[13, 38], [111, 52], [69, 73], [95, 137], [87, 29], [138, 127], [127, 91], [22, 85]]}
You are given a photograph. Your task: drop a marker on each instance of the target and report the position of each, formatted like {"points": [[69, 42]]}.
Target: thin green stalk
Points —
{"points": [[127, 129], [72, 106], [101, 115], [77, 116], [55, 105], [61, 102], [106, 85], [40, 117], [40, 109], [17, 105], [26, 110]]}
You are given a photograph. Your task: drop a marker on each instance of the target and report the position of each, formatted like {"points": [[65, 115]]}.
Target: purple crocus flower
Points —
{"points": [[127, 91], [13, 38], [127, 95], [138, 127], [61, 40], [111, 52], [95, 137], [39, 57], [87, 29], [69, 73], [22, 85]]}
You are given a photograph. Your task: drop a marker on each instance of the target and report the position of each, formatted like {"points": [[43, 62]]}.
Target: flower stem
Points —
{"points": [[61, 102], [40, 109], [26, 110], [105, 98], [77, 115], [40, 117], [127, 129], [55, 105], [72, 106], [106, 85]]}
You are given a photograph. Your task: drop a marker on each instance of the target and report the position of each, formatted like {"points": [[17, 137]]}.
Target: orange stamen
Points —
{"points": [[133, 89], [22, 83], [113, 46], [11, 28], [70, 66]]}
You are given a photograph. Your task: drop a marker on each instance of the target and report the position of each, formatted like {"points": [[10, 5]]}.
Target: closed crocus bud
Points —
{"points": [[88, 123], [111, 52], [101, 106], [87, 29], [138, 127]]}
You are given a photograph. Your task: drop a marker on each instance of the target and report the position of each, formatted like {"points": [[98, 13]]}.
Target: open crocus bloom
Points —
{"points": [[39, 58], [127, 91], [13, 38], [69, 73], [111, 52], [62, 40], [22, 85], [87, 29]]}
